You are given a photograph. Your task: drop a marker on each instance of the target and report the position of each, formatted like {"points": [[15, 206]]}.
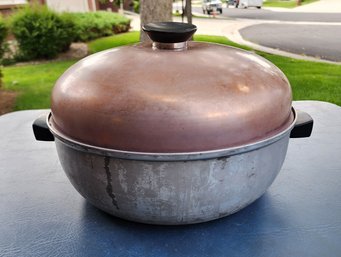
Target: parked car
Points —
{"points": [[209, 6], [249, 3], [232, 2]]}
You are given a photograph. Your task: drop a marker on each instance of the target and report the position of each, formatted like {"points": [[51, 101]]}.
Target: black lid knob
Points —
{"points": [[169, 32]]}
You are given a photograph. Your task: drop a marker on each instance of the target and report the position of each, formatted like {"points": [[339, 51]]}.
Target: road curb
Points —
{"points": [[236, 37]]}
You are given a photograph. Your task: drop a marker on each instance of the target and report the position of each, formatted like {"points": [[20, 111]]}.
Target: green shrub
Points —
{"points": [[136, 4], [98, 24], [41, 33], [3, 34]]}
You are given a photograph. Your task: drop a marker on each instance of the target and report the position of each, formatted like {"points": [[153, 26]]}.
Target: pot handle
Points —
{"points": [[41, 130], [303, 126]]}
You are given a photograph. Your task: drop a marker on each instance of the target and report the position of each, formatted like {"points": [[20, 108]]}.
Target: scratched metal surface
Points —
{"points": [[300, 215], [173, 193]]}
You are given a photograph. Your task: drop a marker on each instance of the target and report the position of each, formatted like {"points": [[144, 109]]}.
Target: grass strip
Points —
{"points": [[309, 80]]}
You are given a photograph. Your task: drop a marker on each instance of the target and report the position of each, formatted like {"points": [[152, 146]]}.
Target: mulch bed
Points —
{"points": [[7, 101]]}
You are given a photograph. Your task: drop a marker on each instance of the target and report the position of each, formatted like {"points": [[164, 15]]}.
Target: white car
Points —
{"points": [[250, 3], [209, 6]]}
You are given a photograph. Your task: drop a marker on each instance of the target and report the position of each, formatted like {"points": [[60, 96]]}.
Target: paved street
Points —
{"points": [[311, 30], [321, 41]]}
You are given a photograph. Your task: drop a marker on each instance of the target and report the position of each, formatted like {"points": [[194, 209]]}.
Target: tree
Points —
{"points": [[154, 11], [151, 11]]}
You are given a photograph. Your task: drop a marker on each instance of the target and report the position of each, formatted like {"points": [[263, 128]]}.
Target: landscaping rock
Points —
{"points": [[76, 51]]}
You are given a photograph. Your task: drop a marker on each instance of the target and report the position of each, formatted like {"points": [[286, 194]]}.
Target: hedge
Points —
{"points": [[94, 25], [41, 33], [3, 34]]}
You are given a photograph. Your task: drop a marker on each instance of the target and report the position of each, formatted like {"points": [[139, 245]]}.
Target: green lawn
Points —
{"points": [[134, 37], [33, 83], [114, 41], [219, 40], [285, 3], [309, 80]]}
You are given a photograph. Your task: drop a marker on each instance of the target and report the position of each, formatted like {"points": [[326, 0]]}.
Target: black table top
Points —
{"points": [[41, 214]]}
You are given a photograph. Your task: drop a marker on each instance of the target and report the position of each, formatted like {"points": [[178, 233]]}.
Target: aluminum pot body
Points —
{"points": [[173, 192]]}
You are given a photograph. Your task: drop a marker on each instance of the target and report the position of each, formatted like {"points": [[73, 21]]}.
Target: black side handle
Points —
{"points": [[303, 126], [169, 32], [41, 130]]}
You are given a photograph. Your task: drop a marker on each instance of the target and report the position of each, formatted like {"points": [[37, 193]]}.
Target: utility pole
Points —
{"points": [[188, 12], [121, 7], [183, 11]]}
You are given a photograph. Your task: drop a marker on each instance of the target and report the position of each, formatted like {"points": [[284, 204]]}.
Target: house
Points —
{"points": [[71, 5], [86, 5], [6, 6]]}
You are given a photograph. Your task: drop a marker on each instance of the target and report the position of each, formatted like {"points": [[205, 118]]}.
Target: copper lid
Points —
{"points": [[197, 97]]}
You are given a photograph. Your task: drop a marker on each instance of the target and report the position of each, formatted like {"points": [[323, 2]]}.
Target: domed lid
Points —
{"points": [[171, 97]]}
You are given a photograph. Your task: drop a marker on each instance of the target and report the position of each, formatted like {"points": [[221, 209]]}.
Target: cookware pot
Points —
{"points": [[172, 132]]}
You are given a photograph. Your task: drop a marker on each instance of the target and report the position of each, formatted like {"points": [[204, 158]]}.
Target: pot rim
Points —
{"points": [[181, 156]]}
